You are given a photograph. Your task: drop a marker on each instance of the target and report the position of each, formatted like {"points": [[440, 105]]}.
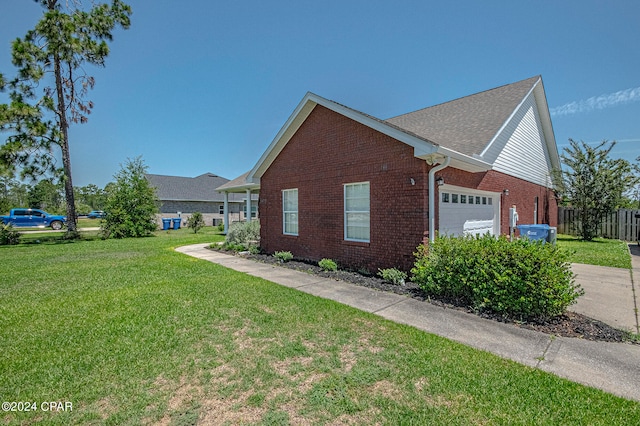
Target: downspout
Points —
{"points": [[432, 196]]}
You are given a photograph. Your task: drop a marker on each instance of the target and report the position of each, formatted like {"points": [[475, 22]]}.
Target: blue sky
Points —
{"points": [[204, 86]]}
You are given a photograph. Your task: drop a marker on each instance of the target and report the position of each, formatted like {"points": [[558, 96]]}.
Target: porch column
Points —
{"points": [[248, 205], [226, 212]]}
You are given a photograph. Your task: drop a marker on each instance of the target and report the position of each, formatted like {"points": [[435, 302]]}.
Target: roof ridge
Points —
{"points": [[537, 77]]}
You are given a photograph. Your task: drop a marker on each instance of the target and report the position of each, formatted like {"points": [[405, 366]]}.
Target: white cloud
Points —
{"points": [[597, 102]]}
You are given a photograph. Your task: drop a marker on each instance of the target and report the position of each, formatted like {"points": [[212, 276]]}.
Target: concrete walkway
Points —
{"points": [[612, 367]]}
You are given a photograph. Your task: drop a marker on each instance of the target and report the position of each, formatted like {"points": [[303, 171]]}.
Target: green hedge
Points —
{"points": [[523, 279]]}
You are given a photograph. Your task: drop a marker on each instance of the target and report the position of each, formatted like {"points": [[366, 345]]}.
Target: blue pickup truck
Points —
{"points": [[33, 218]]}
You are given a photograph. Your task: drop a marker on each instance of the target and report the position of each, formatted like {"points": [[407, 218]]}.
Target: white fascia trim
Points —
{"points": [[305, 107], [240, 188], [421, 147], [513, 113], [470, 163], [547, 126]]}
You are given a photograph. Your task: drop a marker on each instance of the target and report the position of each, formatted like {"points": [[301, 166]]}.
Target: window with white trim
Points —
{"points": [[290, 211], [357, 212]]}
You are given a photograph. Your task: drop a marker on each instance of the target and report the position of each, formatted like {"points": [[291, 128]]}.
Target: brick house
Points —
{"points": [[342, 184]]}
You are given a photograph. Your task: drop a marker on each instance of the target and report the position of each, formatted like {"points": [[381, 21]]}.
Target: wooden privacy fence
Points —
{"points": [[621, 224]]}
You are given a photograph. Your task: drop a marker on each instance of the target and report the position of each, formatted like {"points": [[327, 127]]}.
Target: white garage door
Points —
{"points": [[467, 212]]}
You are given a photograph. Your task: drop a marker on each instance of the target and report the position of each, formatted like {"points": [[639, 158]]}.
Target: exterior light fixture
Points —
{"points": [[440, 181], [505, 192]]}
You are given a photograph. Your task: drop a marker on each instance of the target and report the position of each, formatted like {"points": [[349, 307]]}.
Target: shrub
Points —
{"points": [[393, 275], [243, 233], [8, 235], [195, 222], [234, 247], [521, 280], [283, 256], [132, 203], [328, 265]]}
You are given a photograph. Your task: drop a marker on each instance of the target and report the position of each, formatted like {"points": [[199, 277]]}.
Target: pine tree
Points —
{"points": [[49, 91]]}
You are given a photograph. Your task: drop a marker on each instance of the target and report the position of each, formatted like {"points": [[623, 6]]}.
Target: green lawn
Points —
{"points": [[131, 332], [600, 251]]}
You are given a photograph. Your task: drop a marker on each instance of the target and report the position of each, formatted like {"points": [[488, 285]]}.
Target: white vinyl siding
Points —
{"points": [[520, 149], [290, 211], [357, 212]]}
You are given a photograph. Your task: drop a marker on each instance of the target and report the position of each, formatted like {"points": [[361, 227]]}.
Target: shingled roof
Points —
{"points": [[178, 188], [238, 184], [471, 131], [467, 124]]}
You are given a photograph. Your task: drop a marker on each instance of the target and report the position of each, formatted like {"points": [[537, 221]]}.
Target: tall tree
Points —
{"points": [[594, 183], [91, 196], [39, 113], [46, 195]]}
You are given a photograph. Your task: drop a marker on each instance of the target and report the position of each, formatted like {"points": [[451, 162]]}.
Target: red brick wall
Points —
{"points": [[330, 150]]}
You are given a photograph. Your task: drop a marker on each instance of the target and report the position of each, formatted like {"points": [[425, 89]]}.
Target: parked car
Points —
{"points": [[96, 214], [33, 218]]}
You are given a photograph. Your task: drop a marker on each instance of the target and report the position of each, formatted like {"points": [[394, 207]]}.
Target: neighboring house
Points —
{"points": [[366, 192], [185, 195]]}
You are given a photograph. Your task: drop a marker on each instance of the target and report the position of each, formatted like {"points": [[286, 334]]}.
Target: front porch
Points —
{"points": [[241, 185]]}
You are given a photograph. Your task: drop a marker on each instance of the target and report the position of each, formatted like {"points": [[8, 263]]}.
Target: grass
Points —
{"points": [[131, 332], [600, 251]]}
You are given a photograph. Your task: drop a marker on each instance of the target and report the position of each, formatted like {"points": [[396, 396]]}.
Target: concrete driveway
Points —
{"points": [[610, 293]]}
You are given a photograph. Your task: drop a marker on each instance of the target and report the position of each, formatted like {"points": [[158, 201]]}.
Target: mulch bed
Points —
{"points": [[570, 324]]}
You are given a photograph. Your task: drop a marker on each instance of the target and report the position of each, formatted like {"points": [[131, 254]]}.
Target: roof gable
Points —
{"points": [[304, 109], [525, 146], [467, 125]]}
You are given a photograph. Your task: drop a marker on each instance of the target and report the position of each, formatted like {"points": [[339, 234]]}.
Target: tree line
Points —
{"points": [[48, 194]]}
